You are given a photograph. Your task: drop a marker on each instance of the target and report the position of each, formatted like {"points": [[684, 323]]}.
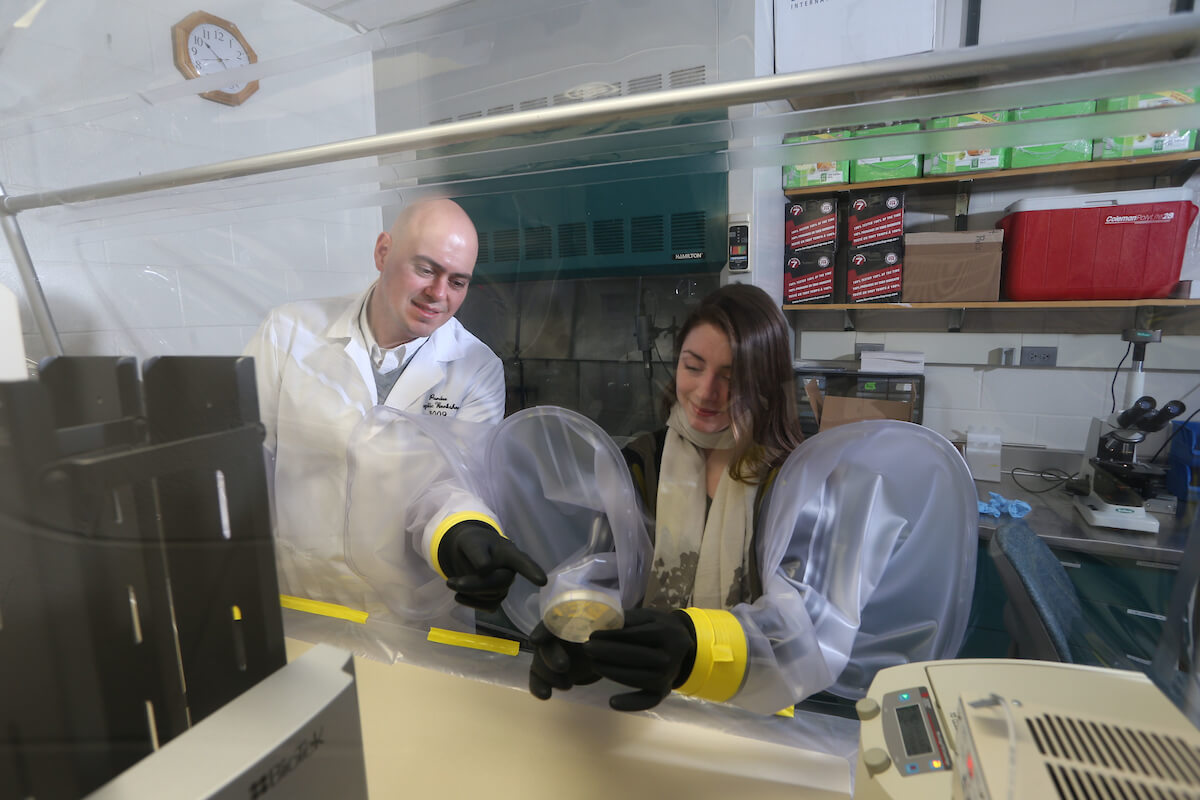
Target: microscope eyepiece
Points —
{"points": [[1158, 419], [1141, 407]]}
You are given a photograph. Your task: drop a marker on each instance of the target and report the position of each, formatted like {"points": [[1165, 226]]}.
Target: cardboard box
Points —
{"points": [[941, 267], [889, 167], [955, 161], [811, 222], [809, 275], [875, 216], [1036, 155], [818, 173], [813, 35], [844, 410], [1146, 144], [874, 273]]}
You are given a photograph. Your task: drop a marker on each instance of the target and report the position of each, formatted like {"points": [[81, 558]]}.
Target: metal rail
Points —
{"points": [[29, 279], [1162, 39]]}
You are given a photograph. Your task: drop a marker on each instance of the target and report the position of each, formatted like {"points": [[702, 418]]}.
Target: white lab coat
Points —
{"points": [[315, 385]]}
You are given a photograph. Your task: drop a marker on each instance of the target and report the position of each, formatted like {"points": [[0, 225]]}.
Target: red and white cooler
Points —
{"points": [[1113, 246]]}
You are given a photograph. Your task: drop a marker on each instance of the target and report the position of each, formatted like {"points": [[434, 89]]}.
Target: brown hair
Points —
{"points": [[762, 391]]}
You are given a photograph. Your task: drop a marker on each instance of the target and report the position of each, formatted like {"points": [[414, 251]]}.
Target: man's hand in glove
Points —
{"points": [[481, 564], [557, 664], [653, 652]]}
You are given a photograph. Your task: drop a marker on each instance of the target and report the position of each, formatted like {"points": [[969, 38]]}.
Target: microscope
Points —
{"points": [[1117, 484]]}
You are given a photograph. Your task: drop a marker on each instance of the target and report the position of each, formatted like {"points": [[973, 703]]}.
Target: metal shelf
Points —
{"points": [[1176, 165], [996, 305]]}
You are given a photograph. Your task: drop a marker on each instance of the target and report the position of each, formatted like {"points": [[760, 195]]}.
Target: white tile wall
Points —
{"points": [[82, 100], [221, 296]]}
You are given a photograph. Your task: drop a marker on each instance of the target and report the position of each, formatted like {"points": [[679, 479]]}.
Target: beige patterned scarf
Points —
{"points": [[699, 561]]}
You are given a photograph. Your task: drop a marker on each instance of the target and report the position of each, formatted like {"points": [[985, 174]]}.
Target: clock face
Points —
{"points": [[205, 44], [211, 49]]}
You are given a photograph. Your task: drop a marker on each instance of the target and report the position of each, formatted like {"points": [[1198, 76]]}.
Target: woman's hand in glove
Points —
{"points": [[557, 664], [653, 652], [481, 565]]}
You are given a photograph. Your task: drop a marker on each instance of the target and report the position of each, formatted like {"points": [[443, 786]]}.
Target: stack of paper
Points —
{"points": [[892, 361]]}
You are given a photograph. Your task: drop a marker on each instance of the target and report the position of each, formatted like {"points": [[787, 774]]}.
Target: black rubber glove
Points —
{"points": [[481, 564], [557, 664], [653, 652]]}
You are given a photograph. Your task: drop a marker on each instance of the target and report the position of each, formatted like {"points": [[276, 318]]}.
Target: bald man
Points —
{"points": [[322, 365]]}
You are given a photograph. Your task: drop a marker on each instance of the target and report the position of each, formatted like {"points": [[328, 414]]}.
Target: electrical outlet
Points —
{"points": [[1039, 356]]}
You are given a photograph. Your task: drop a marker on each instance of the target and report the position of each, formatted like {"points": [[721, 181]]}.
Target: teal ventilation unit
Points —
{"points": [[653, 226]]}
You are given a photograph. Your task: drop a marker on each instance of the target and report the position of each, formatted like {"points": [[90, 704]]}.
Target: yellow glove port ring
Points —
{"points": [[448, 523], [720, 655]]}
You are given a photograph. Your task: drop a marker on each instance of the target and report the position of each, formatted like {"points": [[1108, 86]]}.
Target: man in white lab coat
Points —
{"points": [[323, 364]]}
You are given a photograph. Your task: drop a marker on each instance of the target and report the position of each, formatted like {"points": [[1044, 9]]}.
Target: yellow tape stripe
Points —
{"points": [[789, 712], [448, 523], [322, 608], [475, 641]]}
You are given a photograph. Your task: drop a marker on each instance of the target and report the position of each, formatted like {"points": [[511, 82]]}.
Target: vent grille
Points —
{"points": [[687, 76], [538, 243], [691, 76], [1118, 748], [646, 83], [572, 239], [608, 237], [506, 245], [687, 232], [646, 234], [1081, 784]]}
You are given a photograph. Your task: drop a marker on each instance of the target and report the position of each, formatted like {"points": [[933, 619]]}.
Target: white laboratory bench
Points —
{"points": [[428, 733]]}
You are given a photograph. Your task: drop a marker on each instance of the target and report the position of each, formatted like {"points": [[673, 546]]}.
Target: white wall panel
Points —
{"points": [[953, 387], [1015, 20], [222, 296]]}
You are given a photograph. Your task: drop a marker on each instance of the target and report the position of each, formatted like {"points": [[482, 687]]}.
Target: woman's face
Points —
{"points": [[702, 378]]}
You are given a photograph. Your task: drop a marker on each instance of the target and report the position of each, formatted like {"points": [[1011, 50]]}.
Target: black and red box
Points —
{"points": [[874, 217], [875, 273], [811, 234], [809, 275], [812, 222]]}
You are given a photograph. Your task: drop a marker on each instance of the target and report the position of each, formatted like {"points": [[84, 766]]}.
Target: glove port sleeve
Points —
{"points": [[721, 655]]}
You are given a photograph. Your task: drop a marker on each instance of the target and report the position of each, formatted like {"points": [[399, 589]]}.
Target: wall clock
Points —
{"points": [[205, 44]]}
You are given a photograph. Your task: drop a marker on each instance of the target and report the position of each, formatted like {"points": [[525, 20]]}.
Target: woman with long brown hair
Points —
{"points": [[731, 421]]}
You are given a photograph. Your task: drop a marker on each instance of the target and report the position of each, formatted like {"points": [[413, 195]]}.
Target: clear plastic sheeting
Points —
{"points": [[867, 541], [563, 492], [867, 549], [551, 478]]}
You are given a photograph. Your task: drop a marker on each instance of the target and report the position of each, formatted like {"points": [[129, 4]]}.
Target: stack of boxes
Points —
{"points": [[1146, 144], [875, 257], [1084, 148], [810, 251], [1065, 152], [815, 173], [955, 161], [856, 254]]}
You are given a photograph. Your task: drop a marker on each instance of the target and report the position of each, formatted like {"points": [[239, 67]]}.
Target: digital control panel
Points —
{"points": [[739, 243], [913, 735]]}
